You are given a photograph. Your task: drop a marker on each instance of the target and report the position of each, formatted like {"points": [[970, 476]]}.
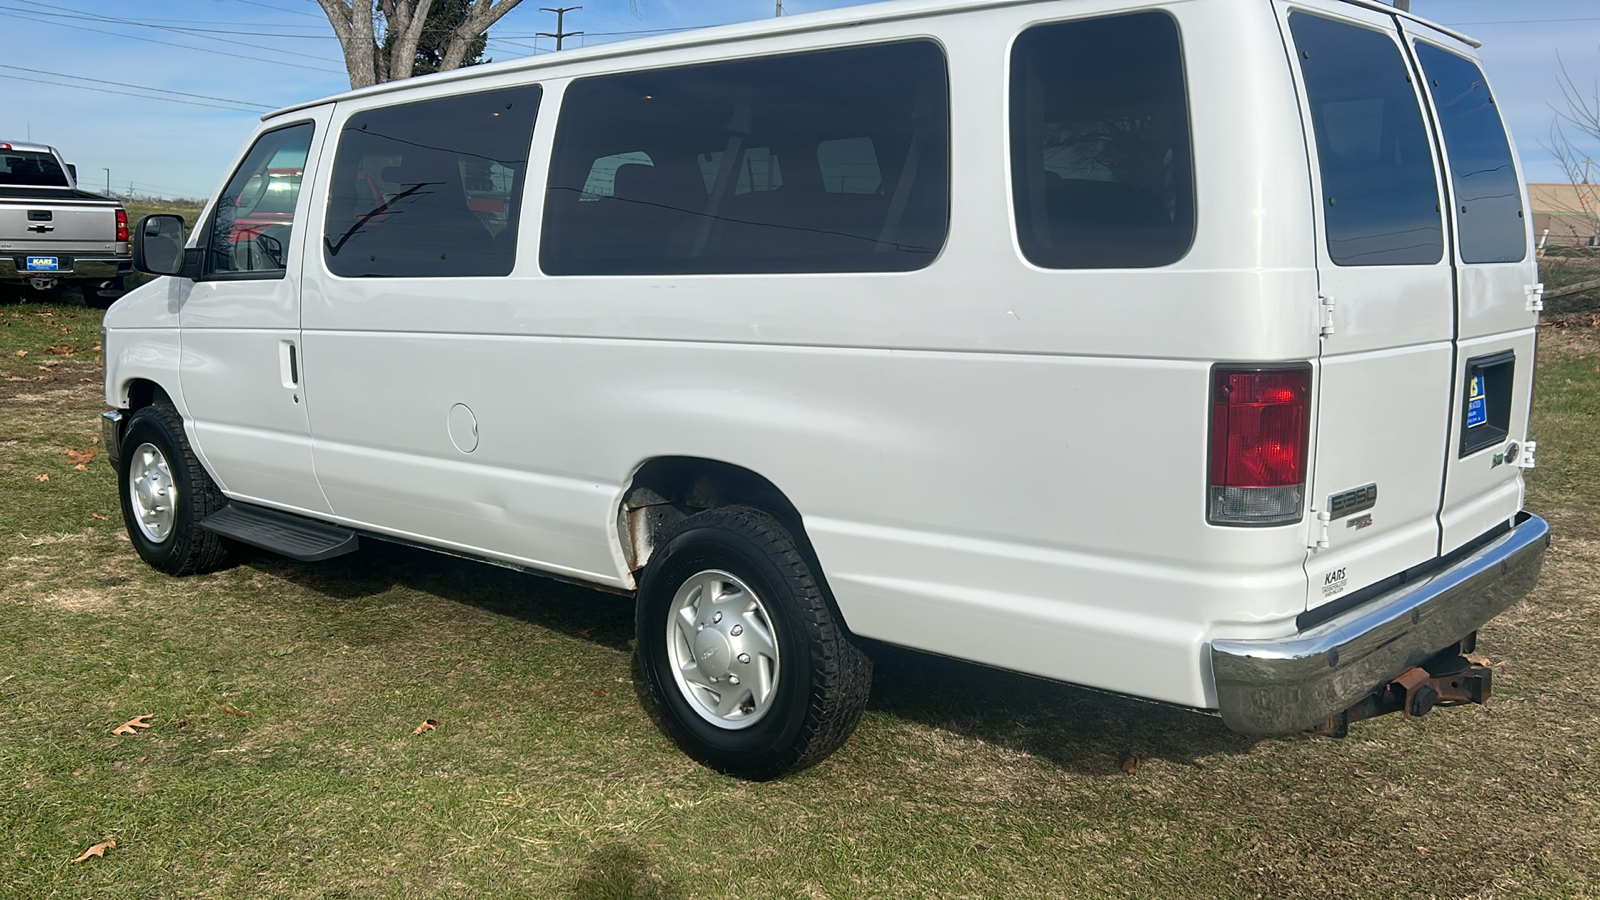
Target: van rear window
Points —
{"points": [[1101, 172], [828, 161], [1491, 227], [1380, 195], [431, 188]]}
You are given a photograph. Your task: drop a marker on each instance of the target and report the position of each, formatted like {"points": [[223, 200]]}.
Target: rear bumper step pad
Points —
{"points": [[282, 533]]}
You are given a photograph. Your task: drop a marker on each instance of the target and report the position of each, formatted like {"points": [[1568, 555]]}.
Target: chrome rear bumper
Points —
{"points": [[1288, 684]]}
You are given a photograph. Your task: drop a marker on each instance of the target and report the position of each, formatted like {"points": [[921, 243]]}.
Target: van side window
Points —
{"points": [[827, 161], [1101, 173], [248, 235], [1491, 227], [431, 188], [1380, 197]]}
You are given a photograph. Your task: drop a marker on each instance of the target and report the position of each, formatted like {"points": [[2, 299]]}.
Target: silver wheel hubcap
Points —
{"points": [[154, 495], [723, 650]]}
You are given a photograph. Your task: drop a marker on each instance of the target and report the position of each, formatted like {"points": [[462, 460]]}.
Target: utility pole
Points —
{"points": [[780, 8], [560, 32], [108, 181]]}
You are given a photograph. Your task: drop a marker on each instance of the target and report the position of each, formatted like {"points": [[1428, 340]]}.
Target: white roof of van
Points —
{"points": [[798, 24]]}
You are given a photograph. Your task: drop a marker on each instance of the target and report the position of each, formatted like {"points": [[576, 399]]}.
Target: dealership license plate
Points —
{"points": [[43, 264], [1477, 402]]}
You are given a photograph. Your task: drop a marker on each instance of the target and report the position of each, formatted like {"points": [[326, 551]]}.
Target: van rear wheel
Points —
{"points": [[745, 659]]}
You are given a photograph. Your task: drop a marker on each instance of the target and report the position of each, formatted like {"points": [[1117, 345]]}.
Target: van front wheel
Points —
{"points": [[165, 493], [745, 660]]}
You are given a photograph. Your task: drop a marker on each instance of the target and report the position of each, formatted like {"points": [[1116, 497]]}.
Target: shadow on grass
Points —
{"points": [[1075, 728], [621, 872]]}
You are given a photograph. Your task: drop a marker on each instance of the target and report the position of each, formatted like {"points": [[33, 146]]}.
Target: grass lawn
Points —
{"points": [[282, 699]]}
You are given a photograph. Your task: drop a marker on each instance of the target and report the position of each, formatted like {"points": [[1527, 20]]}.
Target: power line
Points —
{"points": [[282, 9], [27, 16], [139, 87], [1521, 21], [100, 90], [183, 30]]}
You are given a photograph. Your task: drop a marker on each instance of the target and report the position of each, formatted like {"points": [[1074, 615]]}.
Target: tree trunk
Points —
{"points": [[352, 23]]}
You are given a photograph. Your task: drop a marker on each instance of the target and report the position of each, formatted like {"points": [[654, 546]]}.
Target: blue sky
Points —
{"points": [[169, 148]]}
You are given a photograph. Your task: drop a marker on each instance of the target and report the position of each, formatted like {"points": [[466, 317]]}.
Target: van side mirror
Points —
{"points": [[158, 247]]}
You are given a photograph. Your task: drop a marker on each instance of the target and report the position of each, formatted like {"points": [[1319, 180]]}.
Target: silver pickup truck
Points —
{"points": [[52, 233]]}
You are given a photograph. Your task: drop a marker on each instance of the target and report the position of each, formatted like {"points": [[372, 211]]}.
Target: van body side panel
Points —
{"points": [[983, 451]]}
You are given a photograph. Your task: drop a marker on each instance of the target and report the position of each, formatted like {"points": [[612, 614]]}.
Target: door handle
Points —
{"points": [[289, 364]]}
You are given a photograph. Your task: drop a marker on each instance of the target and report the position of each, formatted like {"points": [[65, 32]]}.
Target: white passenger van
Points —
{"points": [[1182, 350]]}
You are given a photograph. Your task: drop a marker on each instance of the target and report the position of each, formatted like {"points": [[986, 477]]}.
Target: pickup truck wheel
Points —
{"points": [[97, 297], [165, 493], [743, 656]]}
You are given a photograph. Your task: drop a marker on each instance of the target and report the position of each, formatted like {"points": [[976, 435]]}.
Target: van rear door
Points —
{"points": [[1384, 383], [1496, 319]]}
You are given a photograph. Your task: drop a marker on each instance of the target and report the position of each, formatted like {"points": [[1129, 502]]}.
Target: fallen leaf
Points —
{"points": [[132, 725], [1129, 762], [599, 692], [427, 725], [97, 850], [41, 478], [234, 712], [80, 456], [586, 632], [1422, 849], [22, 353], [98, 516], [142, 759], [116, 766], [61, 350], [81, 467]]}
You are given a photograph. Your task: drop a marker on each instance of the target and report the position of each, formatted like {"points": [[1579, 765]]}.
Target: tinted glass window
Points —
{"points": [[829, 161], [1380, 199], [26, 167], [254, 216], [1100, 163], [1491, 227], [431, 188]]}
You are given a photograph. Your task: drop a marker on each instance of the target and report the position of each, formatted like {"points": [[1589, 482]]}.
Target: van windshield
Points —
{"points": [[31, 169]]}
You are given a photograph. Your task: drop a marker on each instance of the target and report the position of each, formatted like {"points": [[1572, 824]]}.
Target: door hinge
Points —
{"points": [[1326, 311], [1535, 294], [1319, 531]]}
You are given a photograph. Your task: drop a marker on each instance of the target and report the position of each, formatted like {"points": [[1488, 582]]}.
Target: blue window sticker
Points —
{"points": [[1477, 404]]}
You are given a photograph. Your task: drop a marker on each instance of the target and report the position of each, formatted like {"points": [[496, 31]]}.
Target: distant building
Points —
{"points": [[1571, 213]]}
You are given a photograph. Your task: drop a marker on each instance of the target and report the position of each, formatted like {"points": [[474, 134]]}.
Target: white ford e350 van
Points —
{"points": [[1177, 349]]}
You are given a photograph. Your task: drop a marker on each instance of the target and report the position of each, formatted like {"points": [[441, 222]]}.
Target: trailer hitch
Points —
{"points": [[1447, 679]]}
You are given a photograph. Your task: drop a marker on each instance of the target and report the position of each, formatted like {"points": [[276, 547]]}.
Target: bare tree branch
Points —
{"points": [[480, 17]]}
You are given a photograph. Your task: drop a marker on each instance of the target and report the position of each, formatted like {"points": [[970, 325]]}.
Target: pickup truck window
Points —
{"points": [[31, 169], [432, 188], [1380, 197], [1489, 198], [249, 231], [827, 161], [1101, 173]]}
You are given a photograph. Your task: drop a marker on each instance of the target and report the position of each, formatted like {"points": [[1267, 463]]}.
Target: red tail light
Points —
{"points": [[1260, 419], [122, 226]]}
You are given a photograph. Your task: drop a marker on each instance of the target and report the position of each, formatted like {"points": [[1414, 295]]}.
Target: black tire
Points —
{"points": [[822, 678], [182, 547]]}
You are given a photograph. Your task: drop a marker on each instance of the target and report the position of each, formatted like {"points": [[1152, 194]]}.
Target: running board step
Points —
{"points": [[282, 533]]}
